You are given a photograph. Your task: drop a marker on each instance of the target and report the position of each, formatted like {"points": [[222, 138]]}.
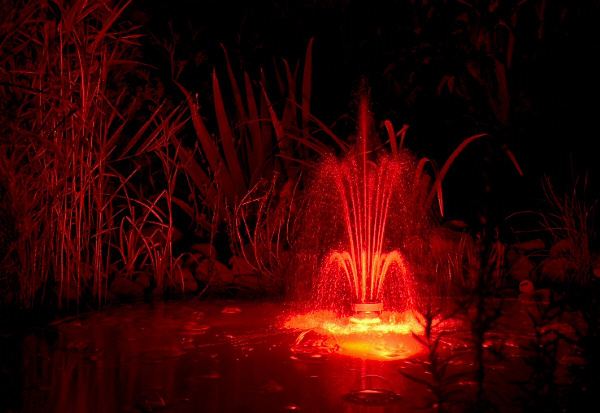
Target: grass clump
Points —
{"points": [[70, 146]]}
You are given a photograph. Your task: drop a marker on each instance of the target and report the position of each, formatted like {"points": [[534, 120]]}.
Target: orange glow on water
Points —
{"points": [[391, 323], [390, 339], [384, 349]]}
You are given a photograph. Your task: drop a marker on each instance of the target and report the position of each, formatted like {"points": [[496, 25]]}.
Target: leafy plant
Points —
{"points": [[543, 390], [442, 378], [466, 51], [68, 155], [570, 222], [583, 359], [245, 173], [258, 143]]}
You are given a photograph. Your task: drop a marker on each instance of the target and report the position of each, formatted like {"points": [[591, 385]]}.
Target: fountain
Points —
{"points": [[354, 255]]}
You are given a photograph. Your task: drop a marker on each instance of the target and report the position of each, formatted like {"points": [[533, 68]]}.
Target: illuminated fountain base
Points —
{"points": [[367, 313], [385, 335]]}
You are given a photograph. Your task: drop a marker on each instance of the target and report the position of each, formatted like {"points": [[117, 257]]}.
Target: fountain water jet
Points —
{"points": [[354, 257]]}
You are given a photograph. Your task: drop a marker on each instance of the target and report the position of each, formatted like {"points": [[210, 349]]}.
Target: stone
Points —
{"points": [[522, 268], [143, 280], [239, 266], [532, 245], [190, 286], [518, 250], [212, 271], [535, 297], [596, 265], [158, 292], [526, 286], [249, 282], [561, 248], [185, 281], [557, 269], [122, 287], [206, 249], [198, 253]]}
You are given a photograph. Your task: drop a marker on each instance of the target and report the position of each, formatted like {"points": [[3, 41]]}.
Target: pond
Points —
{"points": [[237, 356]]}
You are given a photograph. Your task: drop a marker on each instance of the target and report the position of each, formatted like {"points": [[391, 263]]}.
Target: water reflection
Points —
{"points": [[203, 356]]}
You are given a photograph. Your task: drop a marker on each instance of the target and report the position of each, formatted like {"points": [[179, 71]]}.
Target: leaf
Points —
{"points": [[209, 149], [259, 145], [200, 179], [204, 224], [241, 111], [277, 76], [447, 164], [510, 47], [137, 135], [152, 141], [343, 145], [511, 156], [402, 132], [237, 181], [279, 132], [236, 91], [266, 124], [417, 380], [446, 81], [289, 118], [392, 137], [421, 185], [306, 88]]}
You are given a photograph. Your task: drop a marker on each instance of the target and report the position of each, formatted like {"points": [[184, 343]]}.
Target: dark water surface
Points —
{"points": [[228, 356]]}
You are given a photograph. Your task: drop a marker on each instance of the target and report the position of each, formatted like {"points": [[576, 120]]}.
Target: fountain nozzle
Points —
{"points": [[367, 312]]}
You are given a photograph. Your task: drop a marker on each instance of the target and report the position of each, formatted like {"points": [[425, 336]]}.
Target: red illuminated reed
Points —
{"points": [[360, 215]]}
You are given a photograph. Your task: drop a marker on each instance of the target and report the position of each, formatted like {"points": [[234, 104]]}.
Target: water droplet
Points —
{"points": [[155, 403], [212, 375], [231, 310], [271, 386], [314, 345], [193, 328], [372, 397], [372, 390]]}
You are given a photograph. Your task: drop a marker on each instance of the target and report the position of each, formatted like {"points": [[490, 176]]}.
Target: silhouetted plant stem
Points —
{"points": [[542, 389], [483, 313], [441, 382]]}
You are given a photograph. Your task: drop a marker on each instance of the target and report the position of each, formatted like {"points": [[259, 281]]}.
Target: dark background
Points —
{"points": [[405, 49]]}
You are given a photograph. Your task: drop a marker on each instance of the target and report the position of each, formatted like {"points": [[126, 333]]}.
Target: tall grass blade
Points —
{"points": [[447, 165], [259, 146], [306, 90], [236, 177]]}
